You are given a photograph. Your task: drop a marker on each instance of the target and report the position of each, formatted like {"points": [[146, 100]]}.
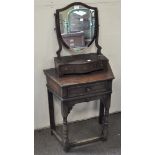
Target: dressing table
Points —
{"points": [[81, 77]]}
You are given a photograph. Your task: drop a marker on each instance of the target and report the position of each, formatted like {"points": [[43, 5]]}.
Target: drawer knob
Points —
{"points": [[88, 89]]}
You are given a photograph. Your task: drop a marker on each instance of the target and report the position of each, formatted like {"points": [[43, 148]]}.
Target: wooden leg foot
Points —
{"points": [[104, 135]]}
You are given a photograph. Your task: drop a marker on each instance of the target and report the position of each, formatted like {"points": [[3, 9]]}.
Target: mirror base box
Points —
{"points": [[81, 63]]}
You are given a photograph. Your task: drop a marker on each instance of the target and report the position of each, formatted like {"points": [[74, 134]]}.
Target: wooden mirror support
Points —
{"points": [[78, 63]]}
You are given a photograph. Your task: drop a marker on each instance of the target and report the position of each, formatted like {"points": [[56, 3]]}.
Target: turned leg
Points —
{"points": [[105, 118], [51, 110], [65, 135], [101, 111], [65, 111]]}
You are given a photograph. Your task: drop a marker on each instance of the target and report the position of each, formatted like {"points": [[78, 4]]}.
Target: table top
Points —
{"points": [[67, 80]]}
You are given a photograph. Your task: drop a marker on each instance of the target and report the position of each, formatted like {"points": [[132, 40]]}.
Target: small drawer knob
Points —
{"points": [[88, 89]]}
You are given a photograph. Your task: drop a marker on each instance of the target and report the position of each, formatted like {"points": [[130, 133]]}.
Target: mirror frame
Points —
{"points": [[58, 32]]}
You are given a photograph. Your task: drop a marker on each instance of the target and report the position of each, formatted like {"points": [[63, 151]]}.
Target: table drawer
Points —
{"points": [[88, 88]]}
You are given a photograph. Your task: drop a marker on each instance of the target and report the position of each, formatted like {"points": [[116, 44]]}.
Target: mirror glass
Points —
{"points": [[77, 26]]}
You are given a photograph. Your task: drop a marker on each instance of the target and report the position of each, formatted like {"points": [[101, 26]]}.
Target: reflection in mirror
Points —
{"points": [[77, 26]]}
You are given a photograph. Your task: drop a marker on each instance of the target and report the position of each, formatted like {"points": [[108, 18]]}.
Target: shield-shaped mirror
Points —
{"points": [[76, 26]]}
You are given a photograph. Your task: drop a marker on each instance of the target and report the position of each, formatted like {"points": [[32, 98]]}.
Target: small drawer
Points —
{"points": [[87, 89]]}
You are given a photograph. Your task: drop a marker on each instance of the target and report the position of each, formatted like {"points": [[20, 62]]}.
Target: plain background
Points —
{"points": [[17, 77], [45, 47]]}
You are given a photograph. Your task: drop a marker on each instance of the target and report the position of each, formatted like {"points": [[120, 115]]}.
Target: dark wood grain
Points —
{"points": [[51, 110], [65, 67], [105, 117], [81, 63], [85, 81], [101, 111], [69, 80], [74, 89], [79, 130]]}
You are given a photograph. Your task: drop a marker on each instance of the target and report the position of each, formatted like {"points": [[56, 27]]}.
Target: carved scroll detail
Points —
{"points": [[66, 109]]}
